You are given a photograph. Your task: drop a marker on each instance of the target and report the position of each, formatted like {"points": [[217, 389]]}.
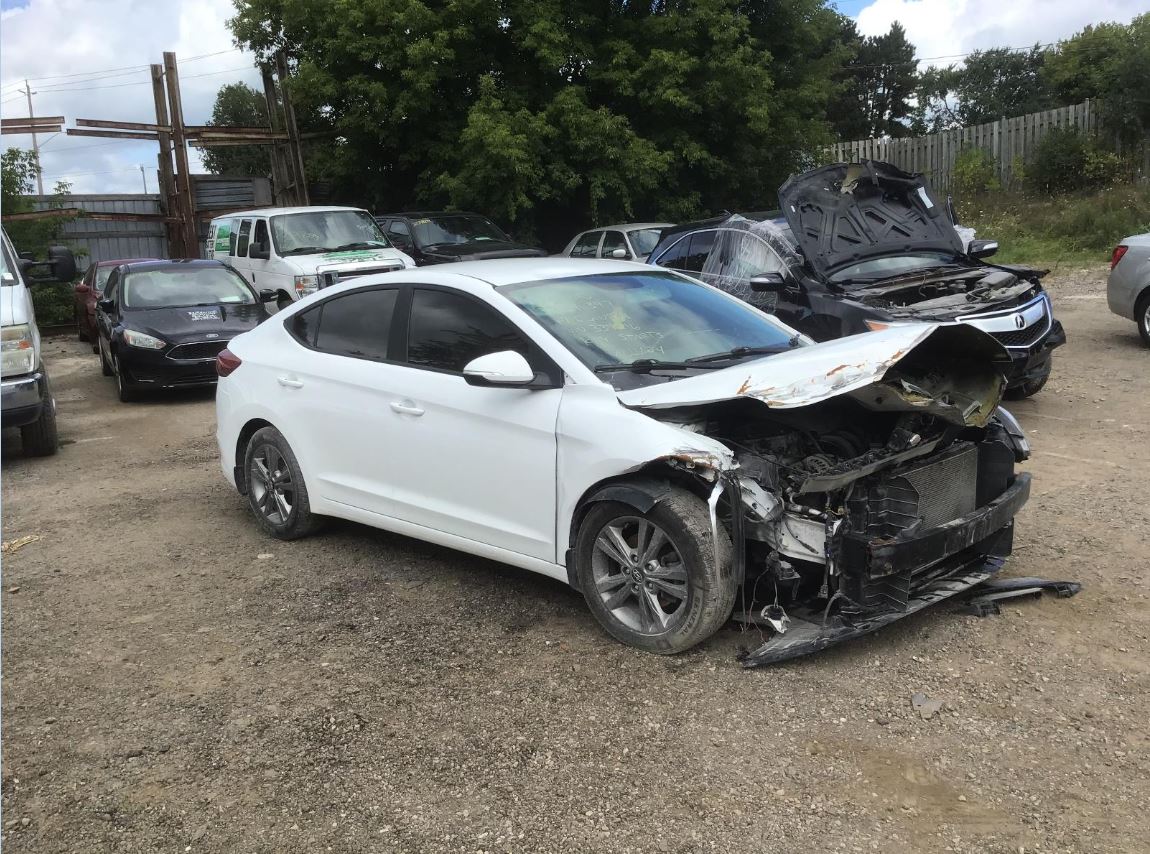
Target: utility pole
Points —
{"points": [[144, 178], [180, 145], [35, 142]]}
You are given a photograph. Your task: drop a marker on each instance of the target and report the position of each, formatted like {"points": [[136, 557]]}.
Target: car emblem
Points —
{"points": [[212, 335], [1019, 321]]}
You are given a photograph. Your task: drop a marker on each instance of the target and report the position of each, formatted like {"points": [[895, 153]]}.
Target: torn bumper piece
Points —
{"points": [[913, 573]]}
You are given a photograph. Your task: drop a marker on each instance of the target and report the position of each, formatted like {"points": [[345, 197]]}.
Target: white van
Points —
{"points": [[297, 251], [26, 398]]}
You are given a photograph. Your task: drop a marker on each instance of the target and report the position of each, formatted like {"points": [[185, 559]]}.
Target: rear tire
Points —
{"points": [[40, 438], [658, 581], [277, 493], [1142, 317]]}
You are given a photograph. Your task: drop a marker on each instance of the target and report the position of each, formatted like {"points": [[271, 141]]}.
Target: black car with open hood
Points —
{"points": [[858, 246], [440, 237], [161, 324]]}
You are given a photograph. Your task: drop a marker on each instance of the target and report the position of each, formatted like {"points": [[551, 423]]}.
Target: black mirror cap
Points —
{"points": [[767, 282], [105, 305], [268, 295], [259, 252], [63, 263], [982, 248]]}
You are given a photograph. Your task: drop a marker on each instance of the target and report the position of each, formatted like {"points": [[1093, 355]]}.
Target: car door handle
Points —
{"points": [[288, 382], [405, 407]]}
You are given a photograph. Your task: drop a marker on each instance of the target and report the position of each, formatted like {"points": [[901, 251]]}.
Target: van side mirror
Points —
{"points": [[768, 283], [106, 305], [259, 251], [62, 263], [982, 248]]}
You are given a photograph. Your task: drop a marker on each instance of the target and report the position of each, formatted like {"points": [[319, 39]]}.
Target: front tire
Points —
{"points": [[658, 581], [1142, 317], [40, 438], [105, 365], [1030, 387], [81, 329], [277, 493], [126, 390], [283, 301]]}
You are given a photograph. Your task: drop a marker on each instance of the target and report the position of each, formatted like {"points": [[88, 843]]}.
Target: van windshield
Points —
{"points": [[311, 232], [7, 265]]}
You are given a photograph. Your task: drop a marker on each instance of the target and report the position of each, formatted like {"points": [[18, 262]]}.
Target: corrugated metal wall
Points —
{"points": [[107, 240]]}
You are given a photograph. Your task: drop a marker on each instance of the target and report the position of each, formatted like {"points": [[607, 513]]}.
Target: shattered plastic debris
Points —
{"points": [[11, 546], [925, 706]]}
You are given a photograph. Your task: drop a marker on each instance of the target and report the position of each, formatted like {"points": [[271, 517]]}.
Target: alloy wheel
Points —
{"points": [[639, 574], [272, 490]]}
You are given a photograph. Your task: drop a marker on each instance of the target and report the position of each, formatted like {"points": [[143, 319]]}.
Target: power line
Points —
{"points": [[148, 82], [124, 68], [85, 174]]}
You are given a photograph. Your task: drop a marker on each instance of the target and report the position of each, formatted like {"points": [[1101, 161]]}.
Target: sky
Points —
{"points": [[89, 58]]}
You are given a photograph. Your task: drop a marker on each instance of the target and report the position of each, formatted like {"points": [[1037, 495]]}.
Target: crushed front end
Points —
{"points": [[859, 507]]}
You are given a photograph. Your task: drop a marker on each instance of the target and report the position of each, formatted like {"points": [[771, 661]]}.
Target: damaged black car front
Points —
{"points": [[869, 478]]}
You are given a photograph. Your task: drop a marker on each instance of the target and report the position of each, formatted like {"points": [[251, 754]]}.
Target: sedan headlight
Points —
{"points": [[17, 352], [305, 285], [139, 339]]}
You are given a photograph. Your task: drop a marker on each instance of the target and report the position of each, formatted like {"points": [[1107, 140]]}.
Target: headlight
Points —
{"points": [[305, 285], [139, 339], [17, 352]]}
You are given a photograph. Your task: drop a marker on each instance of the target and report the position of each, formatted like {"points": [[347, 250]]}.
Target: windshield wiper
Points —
{"points": [[740, 352], [305, 250], [363, 244], [645, 366]]}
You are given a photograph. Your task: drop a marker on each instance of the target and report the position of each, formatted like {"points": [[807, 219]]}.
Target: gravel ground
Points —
{"points": [[175, 681]]}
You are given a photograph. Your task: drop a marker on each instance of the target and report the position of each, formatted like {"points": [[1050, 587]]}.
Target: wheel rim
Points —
{"points": [[639, 575], [272, 490], [1146, 319]]}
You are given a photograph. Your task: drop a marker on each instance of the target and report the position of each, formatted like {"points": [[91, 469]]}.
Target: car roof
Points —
{"points": [[136, 267], [118, 261], [410, 214], [278, 211], [629, 226]]}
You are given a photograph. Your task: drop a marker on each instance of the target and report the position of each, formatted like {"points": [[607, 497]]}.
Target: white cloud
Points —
{"points": [[945, 28], [59, 44]]}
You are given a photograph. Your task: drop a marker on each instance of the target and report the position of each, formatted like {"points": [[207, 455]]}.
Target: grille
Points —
{"points": [[946, 488], [334, 277], [197, 350], [1021, 337]]}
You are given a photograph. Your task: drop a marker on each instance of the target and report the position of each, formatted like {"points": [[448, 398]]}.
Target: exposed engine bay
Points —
{"points": [[946, 294], [864, 506]]}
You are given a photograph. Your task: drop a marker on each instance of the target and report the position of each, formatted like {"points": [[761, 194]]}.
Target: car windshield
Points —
{"points": [[172, 287], [7, 264], [643, 240], [613, 319], [888, 266], [454, 229], [311, 232]]}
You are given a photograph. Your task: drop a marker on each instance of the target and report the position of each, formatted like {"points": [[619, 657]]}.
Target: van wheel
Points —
{"points": [[283, 301], [40, 438], [277, 493], [659, 581]]}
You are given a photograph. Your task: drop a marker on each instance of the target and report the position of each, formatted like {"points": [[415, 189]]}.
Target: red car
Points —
{"points": [[88, 290]]}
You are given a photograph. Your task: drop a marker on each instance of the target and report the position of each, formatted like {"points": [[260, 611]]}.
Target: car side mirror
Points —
{"points": [[106, 305], [768, 283], [982, 248], [268, 295], [62, 263], [505, 368], [258, 251], [620, 254]]}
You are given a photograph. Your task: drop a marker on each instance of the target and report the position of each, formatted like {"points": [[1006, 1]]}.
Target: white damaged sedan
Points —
{"points": [[674, 454]]}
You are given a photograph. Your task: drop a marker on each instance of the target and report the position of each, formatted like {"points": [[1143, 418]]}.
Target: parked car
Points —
{"points": [[1128, 289], [88, 290], [859, 246], [161, 324], [439, 237], [633, 241], [297, 251], [26, 399], [656, 443]]}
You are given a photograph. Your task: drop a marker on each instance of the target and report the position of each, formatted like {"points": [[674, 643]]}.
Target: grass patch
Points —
{"points": [[1069, 230]]}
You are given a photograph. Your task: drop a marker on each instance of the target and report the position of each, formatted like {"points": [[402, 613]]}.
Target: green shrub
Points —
{"points": [[1066, 160], [975, 172]]}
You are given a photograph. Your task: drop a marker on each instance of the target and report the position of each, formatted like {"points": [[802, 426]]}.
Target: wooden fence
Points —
{"points": [[1010, 141]]}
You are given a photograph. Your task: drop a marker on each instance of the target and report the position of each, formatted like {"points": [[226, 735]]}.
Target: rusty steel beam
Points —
{"points": [[8, 130], [102, 123], [119, 216], [124, 134], [212, 141], [33, 120]]}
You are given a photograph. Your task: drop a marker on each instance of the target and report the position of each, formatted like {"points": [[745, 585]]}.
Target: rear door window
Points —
{"points": [[697, 251], [357, 325], [447, 330]]}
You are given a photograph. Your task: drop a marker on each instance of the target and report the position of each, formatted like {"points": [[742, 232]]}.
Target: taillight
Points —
{"points": [[1119, 251], [226, 362]]}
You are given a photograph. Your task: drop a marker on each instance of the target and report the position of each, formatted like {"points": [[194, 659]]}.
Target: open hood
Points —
{"points": [[850, 212], [952, 371]]}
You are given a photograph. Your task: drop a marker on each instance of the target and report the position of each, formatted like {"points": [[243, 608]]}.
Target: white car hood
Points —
{"points": [[807, 374]]}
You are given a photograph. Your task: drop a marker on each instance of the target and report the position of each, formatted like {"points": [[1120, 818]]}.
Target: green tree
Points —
{"points": [[877, 85], [238, 105], [1109, 62], [989, 85], [549, 115], [18, 170]]}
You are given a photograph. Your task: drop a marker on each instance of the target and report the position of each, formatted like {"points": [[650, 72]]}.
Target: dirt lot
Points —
{"points": [[175, 681]]}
